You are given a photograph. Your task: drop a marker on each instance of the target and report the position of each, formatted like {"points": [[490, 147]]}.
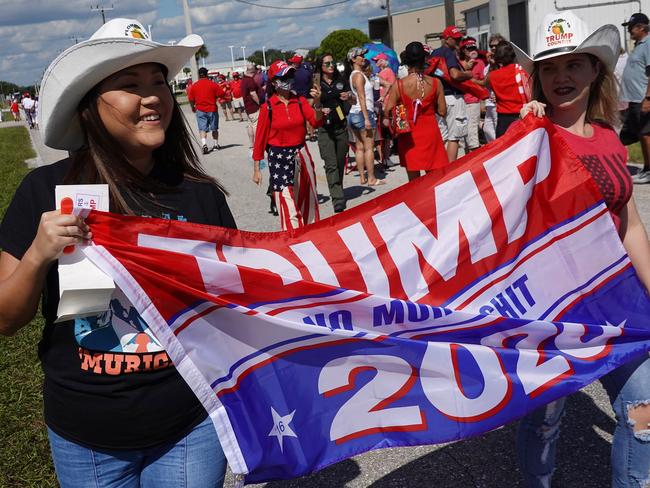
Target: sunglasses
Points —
{"points": [[328, 63], [493, 46], [471, 48]]}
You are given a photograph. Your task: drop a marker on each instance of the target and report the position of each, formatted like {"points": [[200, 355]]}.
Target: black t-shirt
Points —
{"points": [[331, 98], [451, 59], [108, 381]]}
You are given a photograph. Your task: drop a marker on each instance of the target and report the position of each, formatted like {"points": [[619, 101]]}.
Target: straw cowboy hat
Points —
{"points": [[118, 44], [565, 33]]}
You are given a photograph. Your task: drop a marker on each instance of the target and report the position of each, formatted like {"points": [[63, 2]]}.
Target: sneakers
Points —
{"points": [[205, 149], [641, 178], [216, 147]]}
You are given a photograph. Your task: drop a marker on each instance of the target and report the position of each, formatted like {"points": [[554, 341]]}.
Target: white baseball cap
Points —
{"points": [[566, 33], [118, 44]]}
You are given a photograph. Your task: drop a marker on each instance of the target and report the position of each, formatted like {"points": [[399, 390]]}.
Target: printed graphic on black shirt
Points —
{"points": [[119, 341]]}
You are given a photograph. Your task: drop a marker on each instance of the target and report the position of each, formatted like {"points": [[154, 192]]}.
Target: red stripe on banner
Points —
{"points": [[189, 321], [537, 251], [396, 428], [273, 359], [317, 304]]}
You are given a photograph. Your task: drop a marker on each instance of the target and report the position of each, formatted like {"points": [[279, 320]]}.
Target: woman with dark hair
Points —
{"points": [[281, 133], [115, 405], [361, 118], [574, 85], [490, 118], [509, 82], [333, 135], [423, 96], [471, 61]]}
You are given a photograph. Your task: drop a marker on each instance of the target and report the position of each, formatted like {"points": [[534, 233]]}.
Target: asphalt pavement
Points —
{"points": [[487, 461]]}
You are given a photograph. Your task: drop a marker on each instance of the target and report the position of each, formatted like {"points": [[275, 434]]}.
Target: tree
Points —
{"points": [[202, 53], [339, 42], [271, 55], [187, 70]]}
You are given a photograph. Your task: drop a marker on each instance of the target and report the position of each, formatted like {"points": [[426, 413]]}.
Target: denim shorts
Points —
{"points": [[357, 121], [208, 121]]}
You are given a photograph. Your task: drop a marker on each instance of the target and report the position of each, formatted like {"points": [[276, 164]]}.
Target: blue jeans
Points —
{"points": [[627, 386], [196, 461]]}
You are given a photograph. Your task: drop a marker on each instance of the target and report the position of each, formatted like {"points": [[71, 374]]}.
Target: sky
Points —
{"points": [[34, 32]]}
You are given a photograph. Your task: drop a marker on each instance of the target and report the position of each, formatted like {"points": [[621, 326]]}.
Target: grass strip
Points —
{"points": [[24, 452]]}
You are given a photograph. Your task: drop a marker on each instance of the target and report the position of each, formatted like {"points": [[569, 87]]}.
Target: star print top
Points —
{"points": [[285, 127], [605, 158]]}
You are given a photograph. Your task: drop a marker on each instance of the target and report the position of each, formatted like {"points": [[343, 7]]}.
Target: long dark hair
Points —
{"points": [[319, 66], [101, 159]]}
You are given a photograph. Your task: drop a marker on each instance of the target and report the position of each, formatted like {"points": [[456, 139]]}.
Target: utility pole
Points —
{"points": [[389, 17], [450, 13], [75, 39], [188, 31], [232, 58], [243, 53], [499, 21], [264, 55], [149, 29], [101, 9]]}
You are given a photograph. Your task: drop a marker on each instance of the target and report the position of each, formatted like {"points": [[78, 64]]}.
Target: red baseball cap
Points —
{"points": [[468, 43], [279, 68], [296, 58], [453, 32], [380, 56]]}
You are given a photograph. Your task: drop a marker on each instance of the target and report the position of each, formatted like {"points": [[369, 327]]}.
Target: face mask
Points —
{"points": [[473, 54], [286, 85]]}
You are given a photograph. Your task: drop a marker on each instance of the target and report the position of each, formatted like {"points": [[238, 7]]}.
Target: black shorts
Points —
{"points": [[635, 124]]}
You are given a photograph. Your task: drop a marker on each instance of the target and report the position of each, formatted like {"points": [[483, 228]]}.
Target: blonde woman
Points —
{"points": [[574, 86]]}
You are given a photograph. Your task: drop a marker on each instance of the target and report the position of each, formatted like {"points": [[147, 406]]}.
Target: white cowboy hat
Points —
{"points": [[566, 33], [118, 44]]}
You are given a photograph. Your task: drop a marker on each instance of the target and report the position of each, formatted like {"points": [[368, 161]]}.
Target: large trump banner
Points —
{"points": [[439, 311]]}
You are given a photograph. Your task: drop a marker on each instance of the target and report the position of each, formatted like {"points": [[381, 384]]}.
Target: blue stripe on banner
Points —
{"points": [[174, 317], [253, 306], [260, 352], [528, 244], [581, 287]]}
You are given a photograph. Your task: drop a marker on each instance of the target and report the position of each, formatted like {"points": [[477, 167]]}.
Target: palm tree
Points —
{"points": [[202, 53]]}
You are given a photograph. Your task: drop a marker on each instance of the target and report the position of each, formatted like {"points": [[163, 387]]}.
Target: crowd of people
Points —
{"points": [[28, 106], [127, 131]]}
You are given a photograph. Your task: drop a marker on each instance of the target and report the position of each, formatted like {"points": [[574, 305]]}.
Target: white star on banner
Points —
{"points": [[281, 427], [286, 167], [275, 177]]}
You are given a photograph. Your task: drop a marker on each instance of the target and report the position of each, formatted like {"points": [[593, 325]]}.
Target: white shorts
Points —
{"points": [[454, 126], [238, 103]]}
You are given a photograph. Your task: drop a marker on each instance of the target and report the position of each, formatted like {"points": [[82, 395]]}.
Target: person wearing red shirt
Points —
{"points": [[237, 100], [203, 100], [510, 85], [226, 99], [281, 131]]}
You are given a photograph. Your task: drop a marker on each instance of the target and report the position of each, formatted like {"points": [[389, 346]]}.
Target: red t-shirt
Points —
{"points": [[249, 85], [227, 92], [478, 73], [510, 86], [235, 85], [286, 127], [388, 75], [204, 94], [605, 158]]}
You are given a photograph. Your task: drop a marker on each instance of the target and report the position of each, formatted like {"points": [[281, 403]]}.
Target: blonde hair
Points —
{"points": [[602, 105]]}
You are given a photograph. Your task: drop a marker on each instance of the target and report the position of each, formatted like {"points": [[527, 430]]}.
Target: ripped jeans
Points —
{"points": [[627, 386]]}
